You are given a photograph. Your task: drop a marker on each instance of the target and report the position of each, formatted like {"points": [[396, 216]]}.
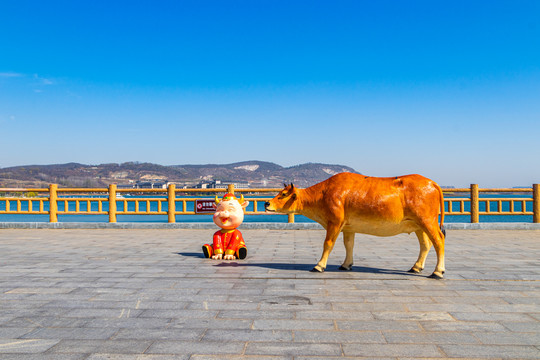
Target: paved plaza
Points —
{"points": [[148, 294]]}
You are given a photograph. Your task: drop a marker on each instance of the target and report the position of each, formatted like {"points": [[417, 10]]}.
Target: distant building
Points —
{"points": [[222, 184], [126, 186], [156, 184]]}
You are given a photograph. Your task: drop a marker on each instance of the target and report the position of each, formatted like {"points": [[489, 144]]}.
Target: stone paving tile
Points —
{"points": [[514, 317], [527, 327], [46, 321], [336, 315], [240, 357], [42, 356], [448, 308], [511, 308], [425, 316], [459, 326], [255, 314], [281, 303], [14, 332], [402, 325], [248, 335], [103, 313], [293, 324], [428, 337], [293, 349], [453, 358], [234, 324], [26, 346], [213, 305], [69, 346], [364, 337], [88, 304], [137, 357], [164, 333], [70, 333], [147, 323], [503, 351], [391, 350], [199, 347], [508, 338], [178, 314], [341, 306]]}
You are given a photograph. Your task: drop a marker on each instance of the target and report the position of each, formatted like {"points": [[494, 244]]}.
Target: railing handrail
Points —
{"points": [[494, 190], [174, 196]]}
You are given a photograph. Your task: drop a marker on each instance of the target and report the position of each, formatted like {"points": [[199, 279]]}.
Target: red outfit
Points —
{"points": [[226, 241]]}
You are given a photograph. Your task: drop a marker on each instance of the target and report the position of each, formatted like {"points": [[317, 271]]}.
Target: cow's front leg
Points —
{"points": [[332, 232], [348, 241]]}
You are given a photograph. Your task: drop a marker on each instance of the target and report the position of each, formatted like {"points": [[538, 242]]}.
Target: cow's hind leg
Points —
{"points": [[332, 232], [437, 239], [425, 245], [348, 241]]}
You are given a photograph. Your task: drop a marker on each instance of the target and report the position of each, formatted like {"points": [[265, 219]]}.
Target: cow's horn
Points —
{"points": [[217, 200], [241, 198]]}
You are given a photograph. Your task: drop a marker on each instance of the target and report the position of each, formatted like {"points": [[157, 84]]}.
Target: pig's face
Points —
{"points": [[229, 214]]}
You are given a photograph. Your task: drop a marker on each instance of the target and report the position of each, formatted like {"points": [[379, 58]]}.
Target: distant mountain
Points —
{"points": [[257, 173]]}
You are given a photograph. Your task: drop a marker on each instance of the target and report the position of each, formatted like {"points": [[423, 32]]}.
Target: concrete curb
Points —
{"points": [[254, 225]]}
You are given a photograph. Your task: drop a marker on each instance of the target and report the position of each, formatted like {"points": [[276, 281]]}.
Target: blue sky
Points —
{"points": [[447, 89]]}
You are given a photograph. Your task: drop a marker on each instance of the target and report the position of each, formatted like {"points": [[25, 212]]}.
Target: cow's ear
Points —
{"points": [[244, 204], [214, 205]]}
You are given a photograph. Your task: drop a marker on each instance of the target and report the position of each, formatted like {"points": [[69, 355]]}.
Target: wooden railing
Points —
{"points": [[484, 205], [112, 201]]}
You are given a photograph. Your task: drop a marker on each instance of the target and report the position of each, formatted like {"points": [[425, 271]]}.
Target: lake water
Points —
{"points": [[248, 218]]}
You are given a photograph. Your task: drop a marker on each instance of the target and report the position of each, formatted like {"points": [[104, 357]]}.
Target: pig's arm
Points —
{"points": [[218, 245]]}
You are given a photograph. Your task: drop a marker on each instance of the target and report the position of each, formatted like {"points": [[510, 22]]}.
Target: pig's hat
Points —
{"points": [[229, 196]]}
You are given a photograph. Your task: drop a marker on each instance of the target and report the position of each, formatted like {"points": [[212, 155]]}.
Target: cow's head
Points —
{"points": [[285, 201]]}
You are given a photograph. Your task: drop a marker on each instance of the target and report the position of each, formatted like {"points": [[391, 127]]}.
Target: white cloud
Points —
{"points": [[38, 80], [42, 80], [4, 119], [10, 74]]}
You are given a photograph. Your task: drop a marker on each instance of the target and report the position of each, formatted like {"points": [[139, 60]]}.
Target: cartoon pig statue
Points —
{"points": [[228, 242]]}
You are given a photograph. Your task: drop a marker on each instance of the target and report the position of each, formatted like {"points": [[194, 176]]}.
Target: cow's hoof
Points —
{"points": [[415, 271], [435, 276], [343, 268], [315, 269]]}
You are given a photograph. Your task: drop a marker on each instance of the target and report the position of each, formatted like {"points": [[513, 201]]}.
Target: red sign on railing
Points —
{"points": [[204, 206]]}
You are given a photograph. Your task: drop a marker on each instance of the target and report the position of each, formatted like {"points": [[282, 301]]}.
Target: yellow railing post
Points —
{"points": [[53, 205], [230, 189], [291, 218], [536, 203], [475, 217], [172, 202], [112, 203]]}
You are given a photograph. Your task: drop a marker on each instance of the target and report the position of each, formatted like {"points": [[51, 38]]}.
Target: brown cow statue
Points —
{"points": [[354, 203]]}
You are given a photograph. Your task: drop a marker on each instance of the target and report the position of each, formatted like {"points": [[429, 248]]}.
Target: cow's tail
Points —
{"points": [[441, 205]]}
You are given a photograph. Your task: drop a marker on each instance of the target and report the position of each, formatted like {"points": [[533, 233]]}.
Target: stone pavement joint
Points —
{"points": [[148, 294]]}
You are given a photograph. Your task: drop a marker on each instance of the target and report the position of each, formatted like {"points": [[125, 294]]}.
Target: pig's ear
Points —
{"points": [[244, 204]]}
